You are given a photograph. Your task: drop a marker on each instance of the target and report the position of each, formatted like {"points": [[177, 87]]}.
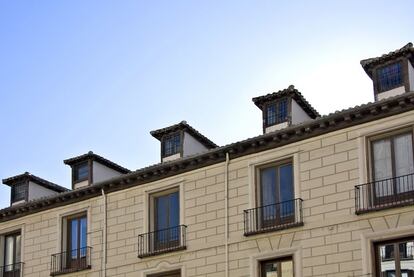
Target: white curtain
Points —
{"points": [[382, 167], [403, 151]]}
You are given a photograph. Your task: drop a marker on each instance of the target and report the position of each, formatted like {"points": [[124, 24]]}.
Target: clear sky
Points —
{"points": [[100, 75]]}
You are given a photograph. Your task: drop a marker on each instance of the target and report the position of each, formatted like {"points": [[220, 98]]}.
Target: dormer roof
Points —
{"points": [[95, 157], [288, 92], [183, 126], [11, 181], [405, 51]]}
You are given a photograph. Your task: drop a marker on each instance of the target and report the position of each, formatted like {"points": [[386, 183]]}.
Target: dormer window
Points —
{"points": [[81, 172], [19, 192], [181, 140], [172, 145], [389, 77], [276, 112], [284, 108], [91, 168], [392, 74]]}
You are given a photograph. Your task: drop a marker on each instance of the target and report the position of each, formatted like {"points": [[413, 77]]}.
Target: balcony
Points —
{"points": [[71, 261], [384, 194], [12, 270], [273, 217], [162, 241]]}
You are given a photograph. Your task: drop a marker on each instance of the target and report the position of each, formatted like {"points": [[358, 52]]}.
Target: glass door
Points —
{"points": [[276, 195], [167, 221], [77, 242]]}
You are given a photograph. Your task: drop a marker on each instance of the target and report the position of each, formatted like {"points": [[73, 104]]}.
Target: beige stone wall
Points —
{"points": [[334, 241]]}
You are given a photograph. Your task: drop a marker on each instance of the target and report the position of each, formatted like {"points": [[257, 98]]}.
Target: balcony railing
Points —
{"points": [[383, 194], [12, 270], [273, 217], [162, 241], [71, 261]]}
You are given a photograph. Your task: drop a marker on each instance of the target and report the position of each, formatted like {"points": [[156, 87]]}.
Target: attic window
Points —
{"points": [[172, 145], [81, 172], [19, 192], [389, 77], [276, 112]]}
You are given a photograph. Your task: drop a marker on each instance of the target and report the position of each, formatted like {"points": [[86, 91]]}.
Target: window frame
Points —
{"points": [[152, 208], [378, 79], [171, 273], [279, 260], [377, 257], [164, 139], [278, 164], [390, 135], [276, 102], [405, 82], [14, 234], [76, 168], [13, 192]]}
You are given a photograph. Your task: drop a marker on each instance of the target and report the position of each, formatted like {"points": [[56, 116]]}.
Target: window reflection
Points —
{"points": [[392, 264]]}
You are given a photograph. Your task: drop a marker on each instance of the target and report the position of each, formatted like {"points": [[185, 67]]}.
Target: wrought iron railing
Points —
{"points": [[71, 261], [383, 194], [12, 270], [273, 217], [162, 241]]}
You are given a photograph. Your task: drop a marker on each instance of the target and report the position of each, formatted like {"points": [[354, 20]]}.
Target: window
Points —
{"points": [[12, 262], [76, 238], [276, 112], [395, 258], [166, 219], [389, 77], [276, 193], [172, 145], [175, 273], [277, 268], [276, 208], [393, 164], [19, 192], [165, 232], [76, 253], [81, 172]]}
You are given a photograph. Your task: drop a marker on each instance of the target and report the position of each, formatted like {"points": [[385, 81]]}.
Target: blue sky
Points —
{"points": [[99, 75]]}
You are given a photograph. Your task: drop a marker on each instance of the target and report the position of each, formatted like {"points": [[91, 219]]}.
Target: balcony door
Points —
{"points": [[393, 168], [167, 220], [77, 241], [12, 244], [276, 195]]}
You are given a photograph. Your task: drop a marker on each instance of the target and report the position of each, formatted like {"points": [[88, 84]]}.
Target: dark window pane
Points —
{"points": [[81, 171], [271, 114], [83, 234], [276, 112], [172, 145], [19, 192], [74, 237], [389, 77], [286, 190]]}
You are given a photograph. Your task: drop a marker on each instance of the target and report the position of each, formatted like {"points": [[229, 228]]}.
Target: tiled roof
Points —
{"points": [[323, 125], [92, 156], [405, 51], [183, 125], [27, 176], [291, 92]]}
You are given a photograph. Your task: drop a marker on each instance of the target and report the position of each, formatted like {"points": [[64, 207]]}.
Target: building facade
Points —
{"points": [[312, 196]]}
